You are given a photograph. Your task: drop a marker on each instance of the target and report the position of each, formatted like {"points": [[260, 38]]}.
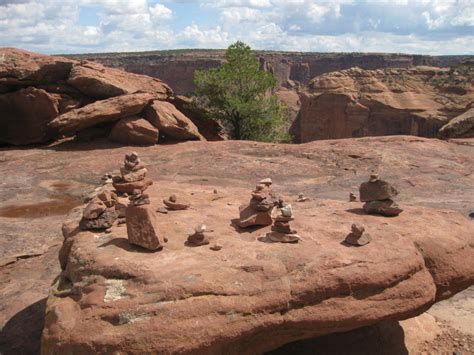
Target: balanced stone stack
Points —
{"points": [[199, 237], [281, 229], [377, 195], [100, 213], [357, 237], [133, 176], [258, 212], [142, 223]]}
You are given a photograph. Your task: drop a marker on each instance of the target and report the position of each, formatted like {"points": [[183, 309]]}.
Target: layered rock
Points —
{"points": [[94, 80], [44, 97], [357, 103], [103, 111], [281, 229]]}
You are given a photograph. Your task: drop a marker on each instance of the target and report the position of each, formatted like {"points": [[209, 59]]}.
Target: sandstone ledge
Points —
{"points": [[253, 296]]}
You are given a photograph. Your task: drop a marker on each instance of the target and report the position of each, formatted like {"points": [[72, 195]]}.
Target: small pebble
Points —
{"points": [[162, 210], [216, 247], [108, 230]]}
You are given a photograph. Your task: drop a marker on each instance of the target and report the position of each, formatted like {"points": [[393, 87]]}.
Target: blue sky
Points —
{"points": [[79, 26]]}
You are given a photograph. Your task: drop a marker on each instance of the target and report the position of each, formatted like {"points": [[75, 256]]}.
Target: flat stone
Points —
{"points": [[283, 237], [132, 176], [386, 208], [355, 240], [129, 187], [178, 205], [142, 227]]}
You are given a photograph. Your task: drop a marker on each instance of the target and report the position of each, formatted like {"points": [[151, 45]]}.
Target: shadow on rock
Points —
{"points": [[385, 338], [22, 333], [123, 243]]}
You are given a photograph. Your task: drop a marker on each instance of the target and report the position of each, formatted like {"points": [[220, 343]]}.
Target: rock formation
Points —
{"points": [[281, 229], [258, 212], [198, 237], [357, 103], [100, 213], [377, 195], [357, 236], [461, 126], [133, 176], [136, 302], [44, 97]]}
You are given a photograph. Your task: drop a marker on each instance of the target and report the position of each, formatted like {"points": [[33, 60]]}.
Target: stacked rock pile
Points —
{"points": [[199, 236], [101, 212], [377, 195], [258, 212], [133, 176], [176, 204], [281, 229]]}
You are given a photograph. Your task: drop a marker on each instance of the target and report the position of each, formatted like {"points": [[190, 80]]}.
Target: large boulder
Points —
{"points": [[22, 68], [461, 126], [97, 81], [134, 131], [101, 111], [170, 121], [25, 115], [253, 296]]}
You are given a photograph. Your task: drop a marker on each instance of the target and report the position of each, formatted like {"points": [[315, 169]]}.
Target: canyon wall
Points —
{"points": [[292, 69], [356, 103]]}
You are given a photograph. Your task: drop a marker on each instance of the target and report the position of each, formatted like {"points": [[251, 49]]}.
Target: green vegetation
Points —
{"points": [[239, 93], [461, 75]]}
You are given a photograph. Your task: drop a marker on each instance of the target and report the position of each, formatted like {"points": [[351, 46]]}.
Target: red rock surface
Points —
{"points": [[357, 103], [22, 68], [94, 80], [170, 121], [134, 130], [49, 181], [234, 301], [108, 110]]}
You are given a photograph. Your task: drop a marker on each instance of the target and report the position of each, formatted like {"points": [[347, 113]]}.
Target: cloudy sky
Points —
{"points": [[80, 26]]}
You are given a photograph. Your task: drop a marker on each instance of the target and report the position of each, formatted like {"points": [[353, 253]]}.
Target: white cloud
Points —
{"points": [[418, 26]]}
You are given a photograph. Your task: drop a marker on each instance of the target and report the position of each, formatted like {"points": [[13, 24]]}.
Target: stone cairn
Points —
{"points": [[133, 176], [199, 237], [176, 204], [101, 212], [377, 195], [281, 229], [357, 237], [258, 212]]}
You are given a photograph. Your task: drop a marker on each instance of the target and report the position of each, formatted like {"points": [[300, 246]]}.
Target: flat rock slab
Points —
{"points": [[252, 296]]}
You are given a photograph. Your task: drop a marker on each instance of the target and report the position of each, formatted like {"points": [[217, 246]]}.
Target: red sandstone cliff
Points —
{"points": [[356, 102]]}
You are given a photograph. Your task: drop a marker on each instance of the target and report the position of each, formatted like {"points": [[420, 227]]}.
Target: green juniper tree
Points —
{"points": [[239, 93]]}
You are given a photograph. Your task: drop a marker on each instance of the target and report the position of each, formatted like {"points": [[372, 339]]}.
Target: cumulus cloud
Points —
{"points": [[416, 26]]}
